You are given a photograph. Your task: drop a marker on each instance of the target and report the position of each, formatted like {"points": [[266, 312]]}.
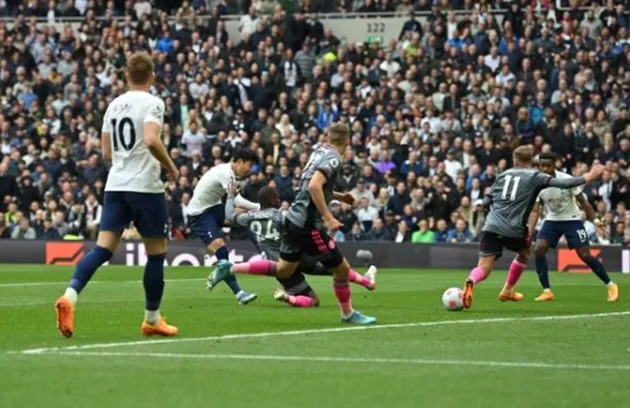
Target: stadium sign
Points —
{"points": [[392, 255]]}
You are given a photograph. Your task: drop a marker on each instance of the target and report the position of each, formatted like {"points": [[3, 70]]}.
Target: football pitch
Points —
{"points": [[572, 352]]}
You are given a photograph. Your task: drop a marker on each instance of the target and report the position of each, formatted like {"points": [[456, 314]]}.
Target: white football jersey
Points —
{"points": [[211, 189], [133, 166], [561, 205]]}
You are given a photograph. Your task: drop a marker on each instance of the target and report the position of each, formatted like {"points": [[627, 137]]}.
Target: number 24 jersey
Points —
{"points": [[133, 166]]}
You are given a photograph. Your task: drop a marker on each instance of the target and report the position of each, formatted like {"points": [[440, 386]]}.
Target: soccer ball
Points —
{"points": [[452, 299]]}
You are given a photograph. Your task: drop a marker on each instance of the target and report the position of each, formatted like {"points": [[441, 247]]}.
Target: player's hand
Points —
{"points": [[172, 175], [595, 173], [332, 224], [233, 189]]}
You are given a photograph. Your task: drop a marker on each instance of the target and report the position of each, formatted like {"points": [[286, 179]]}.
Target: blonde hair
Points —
{"points": [[139, 68], [523, 154]]}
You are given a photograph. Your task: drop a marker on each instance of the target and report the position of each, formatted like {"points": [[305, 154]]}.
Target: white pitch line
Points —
{"points": [[62, 283], [318, 331], [320, 359]]}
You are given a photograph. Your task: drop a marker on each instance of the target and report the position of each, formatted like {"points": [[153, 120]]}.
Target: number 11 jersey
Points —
{"points": [[514, 194], [133, 166]]}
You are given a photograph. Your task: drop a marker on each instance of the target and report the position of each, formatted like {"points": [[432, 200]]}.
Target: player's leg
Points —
{"points": [[150, 216], [548, 237], [517, 267], [484, 267], [115, 217], [296, 292], [208, 227], [542, 269], [577, 239], [490, 249], [368, 280]]}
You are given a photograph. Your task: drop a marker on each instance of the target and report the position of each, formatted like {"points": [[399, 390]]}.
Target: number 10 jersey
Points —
{"points": [[513, 195], [133, 166]]}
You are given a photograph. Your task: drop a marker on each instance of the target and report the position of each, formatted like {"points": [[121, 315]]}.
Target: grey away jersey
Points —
{"points": [[513, 195], [303, 212], [267, 226]]}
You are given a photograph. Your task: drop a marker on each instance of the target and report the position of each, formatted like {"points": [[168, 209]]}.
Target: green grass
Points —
{"points": [[401, 367]]}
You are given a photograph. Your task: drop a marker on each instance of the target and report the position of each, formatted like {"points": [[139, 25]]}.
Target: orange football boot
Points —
{"points": [[546, 296], [613, 292], [510, 295], [467, 296], [161, 328], [65, 316]]}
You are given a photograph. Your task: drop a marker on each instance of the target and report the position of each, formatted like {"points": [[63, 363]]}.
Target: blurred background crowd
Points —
{"points": [[434, 114]]}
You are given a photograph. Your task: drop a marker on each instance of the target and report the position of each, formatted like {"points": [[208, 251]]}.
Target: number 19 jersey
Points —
{"points": [[133, 166], [514, 194]]}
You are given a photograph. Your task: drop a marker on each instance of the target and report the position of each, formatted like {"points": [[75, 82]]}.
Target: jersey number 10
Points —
{"points": [[119, 137], [506, 187]]}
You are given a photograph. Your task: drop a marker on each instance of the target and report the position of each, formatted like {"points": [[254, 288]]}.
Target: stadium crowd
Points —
{"points": [[434, 114]]}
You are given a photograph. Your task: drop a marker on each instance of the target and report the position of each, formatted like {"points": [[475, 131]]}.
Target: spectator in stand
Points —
{"points": [[423, 235], [460, 234], [23, 230]]}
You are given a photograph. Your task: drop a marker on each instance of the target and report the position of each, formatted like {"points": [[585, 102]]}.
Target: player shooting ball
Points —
{"points": [[510, 204]]}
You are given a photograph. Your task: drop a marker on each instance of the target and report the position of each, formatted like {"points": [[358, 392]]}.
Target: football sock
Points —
{"points": [[85, 269], [153, 281], [356, 277], [231, 281], [542, 269], [152, 316], [300, 301], [477, 275], [259, 267], [223, 254], [342, 292], [514, 274], [72, 295], [597, 268]]}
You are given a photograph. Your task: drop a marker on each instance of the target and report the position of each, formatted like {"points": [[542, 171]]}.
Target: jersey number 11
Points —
{"points": [[506, 187]]}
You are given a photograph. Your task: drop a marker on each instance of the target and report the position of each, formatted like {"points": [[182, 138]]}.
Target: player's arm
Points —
{"points": [[242, 220], [245, 203], [316, 189], [573, 182], [106, 146], [152, 130], [534, 216], [343, 197], [591, 215]]}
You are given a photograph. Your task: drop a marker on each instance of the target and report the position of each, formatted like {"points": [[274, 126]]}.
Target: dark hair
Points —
{"points": [[268, 197], [246, 155], [546, 156]]}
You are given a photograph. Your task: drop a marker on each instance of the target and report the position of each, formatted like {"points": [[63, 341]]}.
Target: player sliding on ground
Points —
{"points": [[266, 225], [308, 220], [206, 211], [564, 218], [511, 200], [134, 192]]}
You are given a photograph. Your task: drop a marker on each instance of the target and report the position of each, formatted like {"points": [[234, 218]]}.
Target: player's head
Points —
{"points": [[338, 136], [139, 71], [268, 198], [523, 156], [242, 162], [546, 163]]}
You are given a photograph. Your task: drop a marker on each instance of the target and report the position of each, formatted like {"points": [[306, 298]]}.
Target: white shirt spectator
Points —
{"points": [[193, 141], [605, 190], [453, 167], [390, 68], [247, 25]]}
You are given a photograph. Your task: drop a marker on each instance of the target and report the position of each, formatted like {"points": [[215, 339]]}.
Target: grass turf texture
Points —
{"points": [[392, 366]]}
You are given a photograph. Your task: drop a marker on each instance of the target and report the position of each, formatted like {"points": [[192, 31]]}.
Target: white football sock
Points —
{"points": [[72, 295], [152, 316]]}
